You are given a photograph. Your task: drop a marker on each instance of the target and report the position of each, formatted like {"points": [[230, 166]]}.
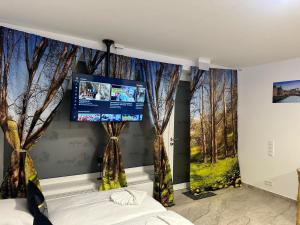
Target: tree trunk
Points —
{"points": [[32, 64], [202, 126], [225, 118], [233, 114], [213, 122]]}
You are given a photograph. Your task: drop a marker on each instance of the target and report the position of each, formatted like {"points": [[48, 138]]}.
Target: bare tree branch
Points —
{"points": [[32, 65], [61, 72]]}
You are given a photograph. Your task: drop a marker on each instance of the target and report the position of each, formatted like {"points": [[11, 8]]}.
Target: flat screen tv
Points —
{"points": [[103, 99]]}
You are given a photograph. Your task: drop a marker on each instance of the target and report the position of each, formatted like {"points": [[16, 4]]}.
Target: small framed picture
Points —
{"points": [[286, 91]]}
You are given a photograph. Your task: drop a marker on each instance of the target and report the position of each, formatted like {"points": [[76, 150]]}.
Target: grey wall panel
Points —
{"points": [[136, 143], [71, 148], [181, 173], [68, 148]]}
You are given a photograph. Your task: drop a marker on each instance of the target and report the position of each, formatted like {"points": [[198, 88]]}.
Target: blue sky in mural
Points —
{"points": [[163, 89], [287, 85], [49, 64], [18, 75]]}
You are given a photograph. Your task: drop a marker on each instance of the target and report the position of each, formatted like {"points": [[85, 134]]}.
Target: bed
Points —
{"points": [[14, 212], [90, 208], [159, 218], [93, 208]]}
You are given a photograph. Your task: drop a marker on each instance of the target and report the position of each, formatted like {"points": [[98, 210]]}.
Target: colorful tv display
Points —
{"points": [[103, 99]]}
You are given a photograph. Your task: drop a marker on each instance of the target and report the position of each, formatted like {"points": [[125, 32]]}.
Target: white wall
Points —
{"points": [[261, 121]]}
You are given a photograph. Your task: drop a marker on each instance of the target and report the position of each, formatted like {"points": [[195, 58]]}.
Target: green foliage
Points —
{"points": [[210, 177], [164, 192], [169, 192], [108, 182]]}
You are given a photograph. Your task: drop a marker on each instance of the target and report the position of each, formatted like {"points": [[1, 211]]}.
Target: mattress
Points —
{"points": [[14, 212], [96, 208], [154, 219]]}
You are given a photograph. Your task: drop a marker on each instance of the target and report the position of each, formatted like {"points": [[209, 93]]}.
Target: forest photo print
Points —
{"points": [[213, 108]]}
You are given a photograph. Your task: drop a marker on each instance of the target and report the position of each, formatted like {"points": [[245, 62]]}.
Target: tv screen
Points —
{"points": [[103, 99]]}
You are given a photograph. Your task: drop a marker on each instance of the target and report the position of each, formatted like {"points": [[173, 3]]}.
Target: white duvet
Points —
{"points": [[14, 212], [160, 218], [91, 209], [97, 209]]}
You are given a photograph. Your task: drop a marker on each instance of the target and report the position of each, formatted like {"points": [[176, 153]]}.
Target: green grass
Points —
{"points": [[222, 174]]}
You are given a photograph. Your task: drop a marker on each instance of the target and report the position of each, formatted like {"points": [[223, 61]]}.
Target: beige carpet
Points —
{"points": [[242, 206]]}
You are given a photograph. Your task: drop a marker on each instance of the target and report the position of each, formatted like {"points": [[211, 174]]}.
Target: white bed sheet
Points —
{"points": [[97, 209], [14, 212], [153, 218], [94, 208]]}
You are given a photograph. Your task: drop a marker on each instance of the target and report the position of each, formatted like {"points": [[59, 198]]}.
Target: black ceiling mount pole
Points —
{"points": [[108, 44]]}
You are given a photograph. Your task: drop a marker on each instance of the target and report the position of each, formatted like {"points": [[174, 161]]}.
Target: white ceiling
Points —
{"points": [[235, 33]]}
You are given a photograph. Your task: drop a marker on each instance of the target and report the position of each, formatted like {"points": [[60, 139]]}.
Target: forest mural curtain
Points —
{"points": [[124, 68], [161, 82], [33, 72], [213, 131], [113, 169]]}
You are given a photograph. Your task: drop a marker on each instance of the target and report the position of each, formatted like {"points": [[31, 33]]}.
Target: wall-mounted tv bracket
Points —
{"points": [[108, 44]]}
